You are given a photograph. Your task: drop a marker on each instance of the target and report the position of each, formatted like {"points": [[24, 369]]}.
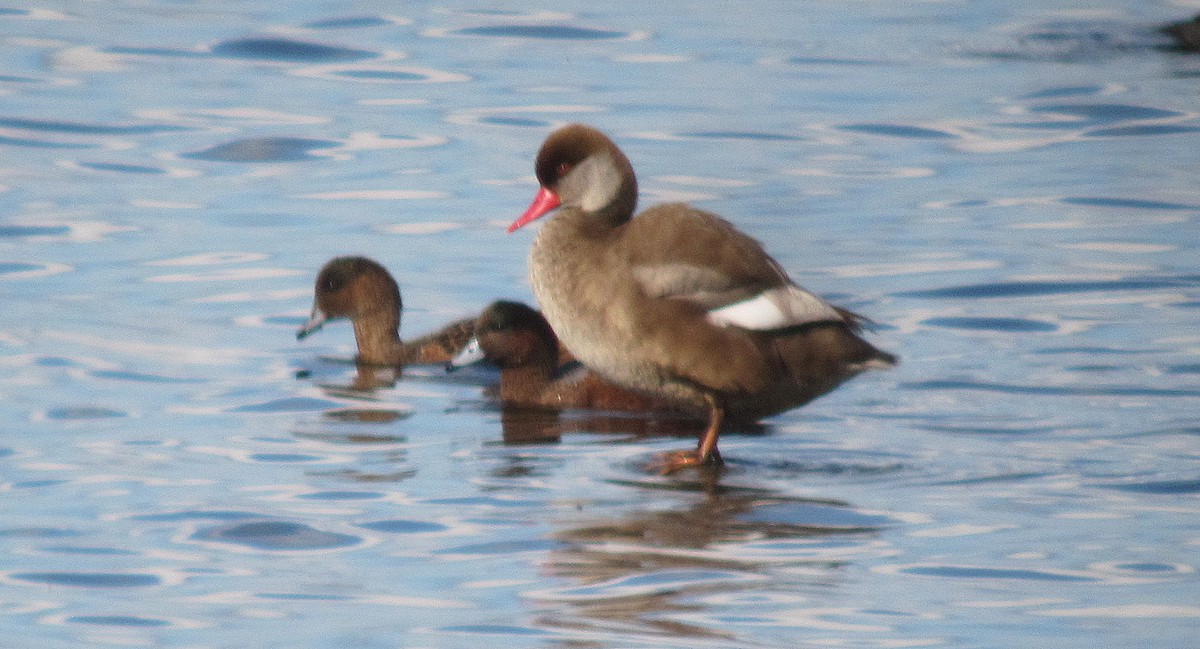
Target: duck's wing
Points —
{"points": [[676, 252]]}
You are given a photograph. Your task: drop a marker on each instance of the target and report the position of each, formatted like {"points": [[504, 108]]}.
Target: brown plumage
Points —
{"points": [[519, 341], [363, 291], [677, 302]]}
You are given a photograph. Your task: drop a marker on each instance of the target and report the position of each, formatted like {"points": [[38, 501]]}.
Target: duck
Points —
{"points": [[533, 370], [362, 290], [677, 302]]}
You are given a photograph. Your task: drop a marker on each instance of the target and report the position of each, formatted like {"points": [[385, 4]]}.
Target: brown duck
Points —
{"points": [[676, 302], [363, 291]]}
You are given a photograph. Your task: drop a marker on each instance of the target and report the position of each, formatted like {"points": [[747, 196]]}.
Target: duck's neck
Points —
{"points": [[526, 383], [378, 338]]}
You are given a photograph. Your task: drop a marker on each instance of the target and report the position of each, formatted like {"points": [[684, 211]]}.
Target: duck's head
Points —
{"points": [[352, 287], [510, 335], [580, 167]]}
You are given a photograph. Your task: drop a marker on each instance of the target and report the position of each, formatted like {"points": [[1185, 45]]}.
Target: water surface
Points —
{"points": [[1008, 189]]}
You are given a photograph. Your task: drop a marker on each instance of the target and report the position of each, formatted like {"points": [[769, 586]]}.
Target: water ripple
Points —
{"points": [[548, 32], [264, 149], [899, 130], [89, 579], [353, 22], [1050, 390], [126, 621], [1007, 325], [284, 49], [276, 535], [87, 128], [1036, 288]]}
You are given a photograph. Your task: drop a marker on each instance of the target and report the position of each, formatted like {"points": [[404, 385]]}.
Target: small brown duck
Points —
{"points": [[362, 290], [519, 341], [677, 302]]}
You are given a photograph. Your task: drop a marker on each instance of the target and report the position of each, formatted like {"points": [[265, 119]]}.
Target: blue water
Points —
{"points": [[1008, 188]]}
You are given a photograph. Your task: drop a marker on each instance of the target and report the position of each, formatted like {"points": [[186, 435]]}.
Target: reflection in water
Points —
{"points": [[644, 573]]}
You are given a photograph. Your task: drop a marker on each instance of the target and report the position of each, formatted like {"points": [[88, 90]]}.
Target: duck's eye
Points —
{"points": [[563, 169]]}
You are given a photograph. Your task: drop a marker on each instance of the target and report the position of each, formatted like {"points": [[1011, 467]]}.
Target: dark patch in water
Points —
{"points": [[118, 620], [992, 573], [495, 629], [305, 597], [1066, 91], [1106, 113], [8, 268], [1051, 390], [263, 149], [284, 457], [283, 49], [120, 168], [897, 130], [155, 51], [288, 404], [34, 230], [37, 533], [1087, 350], [504, 547], [514, 121], [382, 75], [1163, 487], [123, 375], [42, 144], [991, 479], [988, 430], [89, 579], [55, 361], [1184, 368], [1011, 325], [276, 535], [743, 135], [75, 549], [1138, 131], [196, 515], [349, 22], [81, 128], [1130, 203], [552, 32], [404, 527], [816, 60], [342, 495], [1035, 288], [83, 412], [37, 484]]}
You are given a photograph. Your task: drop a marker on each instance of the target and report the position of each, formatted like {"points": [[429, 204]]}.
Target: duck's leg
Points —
{"points": [[706, 452]]}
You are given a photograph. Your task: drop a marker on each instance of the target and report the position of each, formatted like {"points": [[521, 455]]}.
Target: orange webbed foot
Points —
{"points": [[670, 462]]}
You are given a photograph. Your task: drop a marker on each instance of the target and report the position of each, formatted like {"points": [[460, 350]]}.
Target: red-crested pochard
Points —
{"points": [[519, 341], [677, 302], [363, 291]]}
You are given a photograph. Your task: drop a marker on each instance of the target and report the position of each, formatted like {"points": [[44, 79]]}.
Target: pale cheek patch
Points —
{"points": [[785, 306], [601, 180]]}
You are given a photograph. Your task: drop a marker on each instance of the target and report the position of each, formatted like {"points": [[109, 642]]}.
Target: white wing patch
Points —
{"points": [[777, 308]]}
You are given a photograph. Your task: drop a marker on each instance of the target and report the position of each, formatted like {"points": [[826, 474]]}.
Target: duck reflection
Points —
{"points": [[658, 573]]}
